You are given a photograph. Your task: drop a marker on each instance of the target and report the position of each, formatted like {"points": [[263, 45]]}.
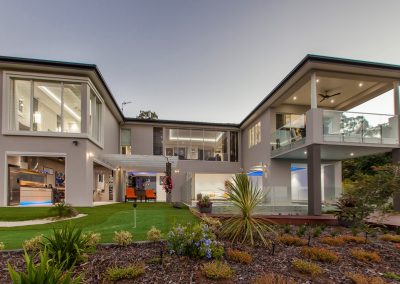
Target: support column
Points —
{"points": [[396, 197], [314, 179], [313, 91]]}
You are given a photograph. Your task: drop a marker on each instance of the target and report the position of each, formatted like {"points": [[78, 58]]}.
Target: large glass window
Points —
{"points": [[46, 106], [95, 116], [157, 141], [198, 144], [255, 134], [234, 150]]}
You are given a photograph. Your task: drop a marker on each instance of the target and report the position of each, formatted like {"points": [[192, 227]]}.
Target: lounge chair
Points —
{"points": [[149, 194], [130, 194]]}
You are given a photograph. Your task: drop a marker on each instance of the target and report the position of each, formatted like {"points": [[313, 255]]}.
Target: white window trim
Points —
{"points": [[7, 105]]}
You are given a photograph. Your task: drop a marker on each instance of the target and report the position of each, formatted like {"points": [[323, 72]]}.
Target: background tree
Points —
{"points": [[147, 114], [353, 168]]}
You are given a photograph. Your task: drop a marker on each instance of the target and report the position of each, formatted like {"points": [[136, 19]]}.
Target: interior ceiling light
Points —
{"points": [[294, 98], [352, 154], [317, 81], [305, 152], [332, 101], [360, 84]]}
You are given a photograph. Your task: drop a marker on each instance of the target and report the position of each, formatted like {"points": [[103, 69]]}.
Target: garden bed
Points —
{"points": [[176, 269]]}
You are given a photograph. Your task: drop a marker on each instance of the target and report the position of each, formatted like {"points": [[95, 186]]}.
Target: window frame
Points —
{"points": [[8, 104]]}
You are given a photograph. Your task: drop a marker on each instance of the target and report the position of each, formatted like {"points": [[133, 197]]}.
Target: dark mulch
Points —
{"points": [[185, 270]]}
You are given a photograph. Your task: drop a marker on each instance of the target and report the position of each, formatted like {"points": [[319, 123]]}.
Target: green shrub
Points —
{"points": [[301, 231], [272, 278], [244, 227], [287, 229], [217, 270], [66, 246], [2, 246], [194, 241], [306, 267], [42, 273], [292, 240], [130, 272], [320, 254], [154, 234], [34, 244], [317, 231], [214, 223], [239, 256], [63, 210], [362, 279], [93, 239], [123, 238], [391, 238], [392, 275], [365, 256]]}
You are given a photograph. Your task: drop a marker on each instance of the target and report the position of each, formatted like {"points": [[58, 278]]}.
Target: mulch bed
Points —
{"points": [[185, 270]]}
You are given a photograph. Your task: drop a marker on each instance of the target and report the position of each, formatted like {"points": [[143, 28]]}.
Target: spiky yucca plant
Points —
{"points": [[244, 227]]}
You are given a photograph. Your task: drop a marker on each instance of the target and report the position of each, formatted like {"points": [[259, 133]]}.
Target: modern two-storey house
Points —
{"points": [[64, 137]]}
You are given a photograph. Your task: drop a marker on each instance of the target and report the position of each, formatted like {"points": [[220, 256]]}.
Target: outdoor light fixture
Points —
{"points": [[352, 154], [75, 142], [134, 205], [305, 152], [294, 98], [176, 171], [332, 101], [360, 84], [317, 80]]}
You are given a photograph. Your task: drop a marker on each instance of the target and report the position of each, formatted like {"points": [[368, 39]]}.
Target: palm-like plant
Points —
{"points": [[244, 227]]}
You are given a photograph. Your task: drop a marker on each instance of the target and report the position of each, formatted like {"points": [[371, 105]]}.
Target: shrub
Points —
{"points": [[391, 238], [194, 241], [301, 231], [317, 231], [332, 241], [93, 239], [273, 278], [239, 256], [130, 272], [63, 210], [244, 227], [217, 270], [354, 239], [34, 244], [392, 275], [213, 223], [44, 272], [154, 234], [361, 279], [292, 240], [306, 267], [365, 256], [204, 202], [123, 238], [320, 254], [287, 229], [2, 246], [66, 246]]}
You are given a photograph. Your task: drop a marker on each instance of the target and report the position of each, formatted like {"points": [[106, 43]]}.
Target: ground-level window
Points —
{"points": [[157, 141]]}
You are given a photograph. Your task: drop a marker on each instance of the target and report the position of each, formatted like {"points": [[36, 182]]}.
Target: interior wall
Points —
{"points": [[101, 189], [212, 185]]}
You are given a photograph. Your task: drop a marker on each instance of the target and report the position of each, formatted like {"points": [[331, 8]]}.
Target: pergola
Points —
{"points": [[139, 163]]}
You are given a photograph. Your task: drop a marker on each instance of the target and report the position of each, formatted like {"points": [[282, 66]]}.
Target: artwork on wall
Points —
{"points": [[169, 152], [60, 179], [48, 171]]}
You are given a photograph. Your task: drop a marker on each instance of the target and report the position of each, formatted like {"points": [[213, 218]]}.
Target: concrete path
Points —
{"points": [[392, 220], [8, 224]]}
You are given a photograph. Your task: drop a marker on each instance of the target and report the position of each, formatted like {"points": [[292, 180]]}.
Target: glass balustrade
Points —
{"points": [[289, 135], [354, 127]]}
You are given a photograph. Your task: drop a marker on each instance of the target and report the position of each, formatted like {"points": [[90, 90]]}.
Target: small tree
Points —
{"points": [[147, 114], [369, 193]]}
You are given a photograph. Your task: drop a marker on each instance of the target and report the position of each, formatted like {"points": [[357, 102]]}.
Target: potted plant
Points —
{"points": [[204, 204]]}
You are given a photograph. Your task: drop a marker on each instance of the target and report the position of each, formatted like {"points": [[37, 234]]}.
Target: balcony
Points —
{"points": [[360, 128], [337, 127]]}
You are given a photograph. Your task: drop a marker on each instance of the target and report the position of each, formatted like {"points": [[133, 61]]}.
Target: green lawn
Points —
{"points": [[102, 219]]}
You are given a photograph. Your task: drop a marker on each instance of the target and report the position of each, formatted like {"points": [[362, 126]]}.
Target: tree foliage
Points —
{"points": [[353, 168], [147, 114]]}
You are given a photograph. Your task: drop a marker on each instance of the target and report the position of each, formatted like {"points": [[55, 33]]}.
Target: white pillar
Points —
{"points": [[396, 97], [313, 92]]}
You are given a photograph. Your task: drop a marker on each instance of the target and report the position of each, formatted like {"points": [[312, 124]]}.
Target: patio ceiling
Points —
{"points": [[139, 162]]}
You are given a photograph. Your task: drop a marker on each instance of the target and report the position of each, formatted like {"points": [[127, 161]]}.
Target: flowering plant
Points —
{"points": [[167, 184], [194, 241]]}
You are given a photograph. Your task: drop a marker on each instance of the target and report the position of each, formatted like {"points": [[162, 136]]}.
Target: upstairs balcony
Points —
{"points": [[323, 126]]}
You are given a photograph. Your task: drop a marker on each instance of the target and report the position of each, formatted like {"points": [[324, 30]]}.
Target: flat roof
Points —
{"points": [[307, 58]]}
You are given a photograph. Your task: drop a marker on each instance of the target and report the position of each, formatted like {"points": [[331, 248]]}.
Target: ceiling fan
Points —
{"points": [[326, 96]]}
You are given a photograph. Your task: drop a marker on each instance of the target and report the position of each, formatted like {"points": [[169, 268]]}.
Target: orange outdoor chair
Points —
{"points": [[149, 194], [130, 194]]}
